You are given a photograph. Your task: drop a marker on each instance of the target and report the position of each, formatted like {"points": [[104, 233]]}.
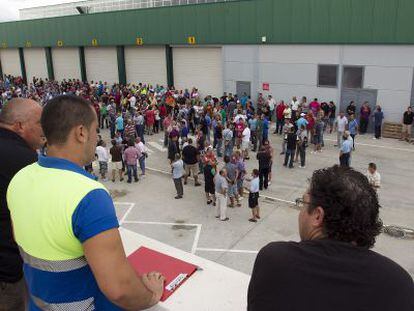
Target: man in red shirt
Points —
{"points": [[280, 119]]}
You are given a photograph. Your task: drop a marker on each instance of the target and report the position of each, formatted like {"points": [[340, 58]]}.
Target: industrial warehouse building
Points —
{"points": [[338, 50]]}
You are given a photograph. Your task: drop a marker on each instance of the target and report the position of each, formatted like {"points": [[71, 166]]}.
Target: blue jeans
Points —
{"points": [[142, 164], [228, 150], [290, 153], [132, 169], [140, 131], [219, 147]]}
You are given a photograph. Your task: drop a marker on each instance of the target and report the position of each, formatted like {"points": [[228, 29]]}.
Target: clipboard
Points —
{"points": [[175, 271]]}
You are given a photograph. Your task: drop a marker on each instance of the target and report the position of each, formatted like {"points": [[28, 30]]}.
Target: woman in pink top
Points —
{"points": [[311, 123]]}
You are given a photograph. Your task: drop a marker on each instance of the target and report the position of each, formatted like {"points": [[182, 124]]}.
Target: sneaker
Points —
{"points": [[282, 153], [178, 197], [197, 184], [269, 183], [374, 138], [302, 166], [128, 181], [136, 180], [252, 220], [225, 219]]}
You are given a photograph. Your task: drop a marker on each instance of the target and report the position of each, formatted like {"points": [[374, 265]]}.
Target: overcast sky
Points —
{"points": [[9, 9]]}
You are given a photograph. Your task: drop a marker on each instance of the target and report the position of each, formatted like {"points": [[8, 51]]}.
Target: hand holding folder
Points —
{"points": [[175, 271]]}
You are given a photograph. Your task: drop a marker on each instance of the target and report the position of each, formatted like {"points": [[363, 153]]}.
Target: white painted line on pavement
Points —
{"points": [[376, 146], [160, 223], [276, 199], [131, 206], [196, 238], [221, 250]]}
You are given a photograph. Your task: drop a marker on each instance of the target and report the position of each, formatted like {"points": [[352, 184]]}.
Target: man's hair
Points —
{"points": [[255, 172], [226, 159], [14, 111], [61, 114], [190, 141], [372, 165], [350, 204]]}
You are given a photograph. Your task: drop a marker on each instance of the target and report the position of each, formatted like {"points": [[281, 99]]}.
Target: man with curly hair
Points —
{"points": [[332, 268]]}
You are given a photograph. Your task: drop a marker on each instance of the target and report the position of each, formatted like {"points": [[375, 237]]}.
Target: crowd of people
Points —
{"points": [[198, 132], [60, 244]]}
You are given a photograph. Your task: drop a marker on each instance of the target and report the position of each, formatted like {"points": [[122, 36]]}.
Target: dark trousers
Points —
{"points": [[377, 131], [140, 131], [178, 183], [353, 140], [344, 159], [302, 154], [279, 126], [132, 170], [263, 178], [112, 127], [13, 296], [103, 121], [289, 155], [363, 125], [254, 140]]}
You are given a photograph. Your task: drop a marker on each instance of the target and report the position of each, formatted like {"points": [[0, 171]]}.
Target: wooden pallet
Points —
{"points": [[392, 130]]}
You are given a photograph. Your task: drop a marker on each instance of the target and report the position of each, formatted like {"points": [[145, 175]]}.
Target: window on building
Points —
{"points": [[328, 75], [353, 77]]}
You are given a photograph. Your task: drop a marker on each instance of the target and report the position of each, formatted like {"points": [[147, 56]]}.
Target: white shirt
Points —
{"points": [[246, 135], [238, 117], [295, 105], [341, 122], [374, 179], [102, 154], [132, 101], [254, 185], [287, 113], [271, 103], [141, 147]]}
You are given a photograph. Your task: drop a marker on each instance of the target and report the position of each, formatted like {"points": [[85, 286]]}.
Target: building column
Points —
{"points": [[82, 64], [22, 65], [49, 62], [1, 71], [120, 54], [170, 65]]}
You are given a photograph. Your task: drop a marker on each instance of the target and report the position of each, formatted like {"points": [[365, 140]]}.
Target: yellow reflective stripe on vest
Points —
{"points": [[41, 202]]}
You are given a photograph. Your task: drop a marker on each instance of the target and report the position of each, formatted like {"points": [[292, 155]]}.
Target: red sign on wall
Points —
{"points": [[266, 87]]}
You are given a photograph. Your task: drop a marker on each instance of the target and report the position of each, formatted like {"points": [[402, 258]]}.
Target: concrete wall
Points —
{"points": [[292, 70]]}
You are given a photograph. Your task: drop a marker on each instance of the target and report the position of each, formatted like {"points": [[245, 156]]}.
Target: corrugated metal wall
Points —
{"points": [[240, 22]]}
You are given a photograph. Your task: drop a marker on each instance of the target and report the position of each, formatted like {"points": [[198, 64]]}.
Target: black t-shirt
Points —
{"points": [[327, 275], [408, 118], [264, 158], [15, 154], [332, 110], [291, 141], [190, 154], [351, 109]]}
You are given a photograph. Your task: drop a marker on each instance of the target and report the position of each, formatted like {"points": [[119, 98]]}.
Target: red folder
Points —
{"points": [[175, 271]]}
